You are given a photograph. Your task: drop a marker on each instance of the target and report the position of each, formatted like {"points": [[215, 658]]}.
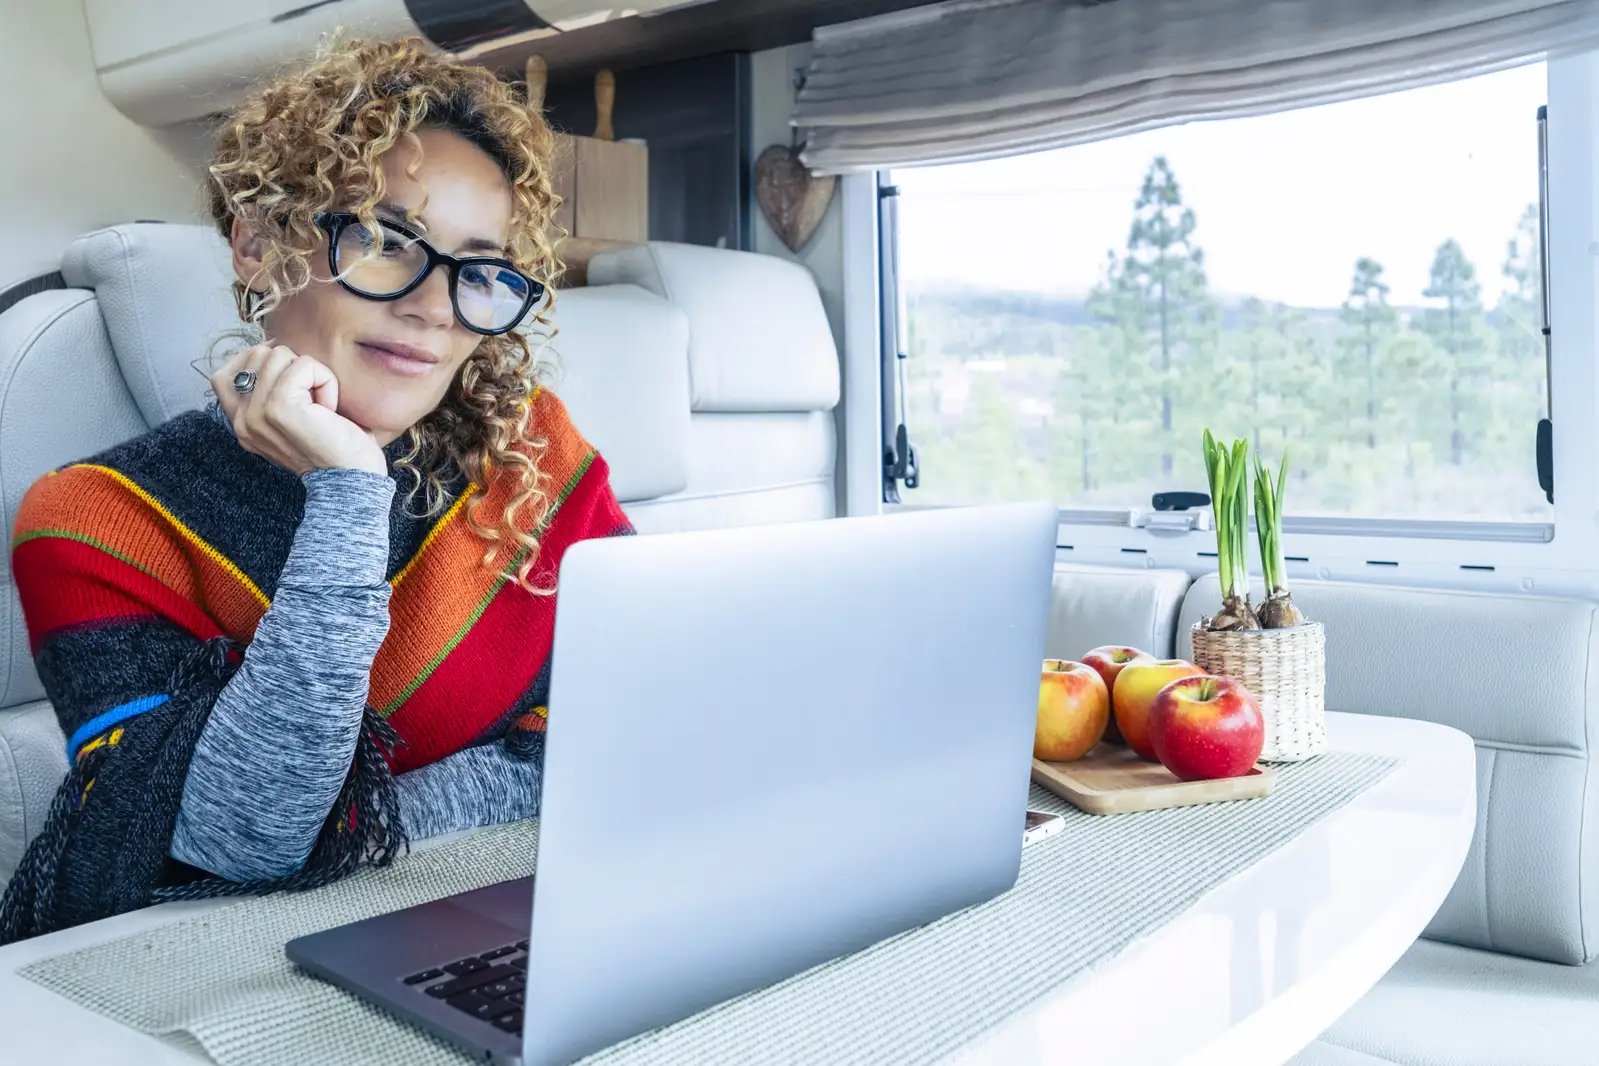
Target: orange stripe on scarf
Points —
{"points": [[447, 586], [104, 509]]}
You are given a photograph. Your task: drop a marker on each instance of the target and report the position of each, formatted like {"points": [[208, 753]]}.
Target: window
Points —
{"points": [[1358, 284]]}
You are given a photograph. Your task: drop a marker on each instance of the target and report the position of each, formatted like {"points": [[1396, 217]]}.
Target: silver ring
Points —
{"points": [[244, 381]]}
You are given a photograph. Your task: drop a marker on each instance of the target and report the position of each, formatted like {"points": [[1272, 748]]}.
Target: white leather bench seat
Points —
{"points": [[759, 339], [763, 381], [621, 369], [33, 757], [1499, 977], [1095, 605], [749, 469], [1443, 1005], [1517, 673], [1324, 1054]]}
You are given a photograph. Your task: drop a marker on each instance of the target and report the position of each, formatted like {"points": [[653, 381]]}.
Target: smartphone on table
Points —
{"points": [[1040, 825]]}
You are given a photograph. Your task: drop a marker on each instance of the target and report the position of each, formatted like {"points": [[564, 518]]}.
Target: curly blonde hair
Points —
{"points": [[310, 141]]}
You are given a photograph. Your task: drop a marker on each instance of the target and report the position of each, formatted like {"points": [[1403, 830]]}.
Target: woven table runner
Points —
{"points": [[220, 980]]}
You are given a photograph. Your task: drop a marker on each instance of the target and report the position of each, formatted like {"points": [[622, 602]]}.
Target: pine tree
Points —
{"points": [[1368, 324], [1129, 447], [1455, 324], [1083, 406], [1301, 380], [1158, 294]]}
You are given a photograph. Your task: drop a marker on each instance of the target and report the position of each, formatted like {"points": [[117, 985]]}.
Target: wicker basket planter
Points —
{"points": [[1286, 669]]}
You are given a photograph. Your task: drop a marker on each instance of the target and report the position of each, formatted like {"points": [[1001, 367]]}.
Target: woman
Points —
{"points": [[285, 634]]}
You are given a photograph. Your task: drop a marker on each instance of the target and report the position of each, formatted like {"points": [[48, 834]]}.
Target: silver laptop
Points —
{"points": [[768, 747]]}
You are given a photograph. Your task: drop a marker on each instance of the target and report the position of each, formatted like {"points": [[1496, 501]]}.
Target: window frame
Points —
{"points": [[1562, 556]]}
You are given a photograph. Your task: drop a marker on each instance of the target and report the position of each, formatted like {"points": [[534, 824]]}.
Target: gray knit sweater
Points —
{"points": [[281, 737]]}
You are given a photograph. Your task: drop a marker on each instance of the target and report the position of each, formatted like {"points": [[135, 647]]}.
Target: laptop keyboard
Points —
{"points": [[490, 986]]}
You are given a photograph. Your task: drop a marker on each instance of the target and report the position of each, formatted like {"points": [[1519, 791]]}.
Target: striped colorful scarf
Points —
{"points": [[143, 573]]}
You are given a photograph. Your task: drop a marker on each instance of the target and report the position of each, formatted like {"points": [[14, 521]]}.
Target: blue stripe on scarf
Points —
{"points": [[105, 720]]}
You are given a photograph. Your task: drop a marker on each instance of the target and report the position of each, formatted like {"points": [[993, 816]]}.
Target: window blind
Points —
{"points": [[977, 79]]}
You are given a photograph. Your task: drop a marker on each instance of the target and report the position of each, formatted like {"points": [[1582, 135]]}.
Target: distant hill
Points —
{"points": [[993, 303], [965, 302]]}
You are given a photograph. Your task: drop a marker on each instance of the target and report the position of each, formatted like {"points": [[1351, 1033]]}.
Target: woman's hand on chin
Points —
{"points": [[291, 415]]}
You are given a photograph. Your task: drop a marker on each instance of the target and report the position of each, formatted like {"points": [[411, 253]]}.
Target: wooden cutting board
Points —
{"points": [[1112, 779]]}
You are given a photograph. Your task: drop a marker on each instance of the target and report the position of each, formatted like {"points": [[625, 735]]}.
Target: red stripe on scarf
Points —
{"points": [[64, 582], [505, 649]]}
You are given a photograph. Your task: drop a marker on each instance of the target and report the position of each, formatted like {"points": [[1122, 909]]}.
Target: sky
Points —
{"points": [[1285, 203]]}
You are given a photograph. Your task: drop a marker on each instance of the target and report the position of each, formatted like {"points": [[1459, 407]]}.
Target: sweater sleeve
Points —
{"points": [[281, 737], [483, 785], [278, 745]]}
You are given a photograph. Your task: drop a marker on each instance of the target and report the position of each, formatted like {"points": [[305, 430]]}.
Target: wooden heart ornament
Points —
{"points": [[791, 197]]}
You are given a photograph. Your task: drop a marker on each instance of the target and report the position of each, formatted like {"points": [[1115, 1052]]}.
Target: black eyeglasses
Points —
{"points": [[490, 296]]}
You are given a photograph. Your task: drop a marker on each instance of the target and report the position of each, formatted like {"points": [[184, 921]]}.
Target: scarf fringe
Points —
{"points": [[64, 881]]}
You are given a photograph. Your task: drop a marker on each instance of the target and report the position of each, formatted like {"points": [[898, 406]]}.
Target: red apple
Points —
{"points": [[1206, 727], [1073, 707], [1109, 659], [1136, 688]]}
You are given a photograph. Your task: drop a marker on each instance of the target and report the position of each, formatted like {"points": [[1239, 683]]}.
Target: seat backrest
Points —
{"points": [[1097, 605], [66, 392], [1517, 673], [764, 380]]}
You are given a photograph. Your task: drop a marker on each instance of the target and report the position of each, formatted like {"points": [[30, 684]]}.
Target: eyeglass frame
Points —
{"points": [[333, 223]]}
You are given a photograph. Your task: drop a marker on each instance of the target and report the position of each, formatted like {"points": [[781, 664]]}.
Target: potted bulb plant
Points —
{"points": [[1278, 612], [1227, 468], [1272, 650]]}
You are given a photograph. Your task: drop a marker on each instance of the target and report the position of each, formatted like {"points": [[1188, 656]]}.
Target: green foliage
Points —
{"points": [[1227, 471], [1269, 523], [1521, 371], [1369, 325], [1455, 324], [1156, 296], [1423, 412]]}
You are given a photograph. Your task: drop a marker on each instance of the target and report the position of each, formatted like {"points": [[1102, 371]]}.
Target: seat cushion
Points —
{"points": [[33, 759], [1096, 605], [1443, 1005], [749, 469], [1519, 674], [1324, 1054]]}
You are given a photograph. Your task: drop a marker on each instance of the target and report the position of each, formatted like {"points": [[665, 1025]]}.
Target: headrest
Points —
{"points": [[759, 339], [163, 290], [621, 356]]}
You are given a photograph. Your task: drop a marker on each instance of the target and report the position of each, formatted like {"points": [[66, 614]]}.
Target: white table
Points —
{"points": [[1248, 975]]}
